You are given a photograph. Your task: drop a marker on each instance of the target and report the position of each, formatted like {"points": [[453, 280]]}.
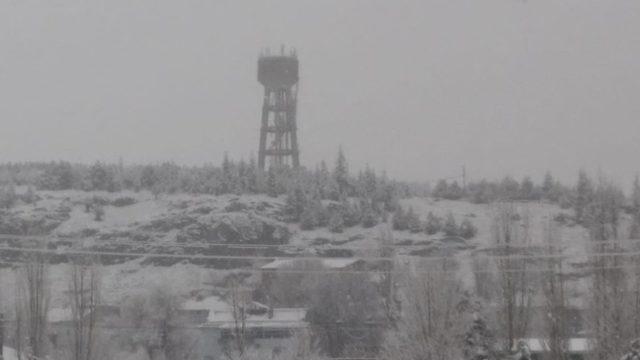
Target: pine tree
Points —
{"points": [[148, 178], [547, 185], [295, 203], [467, 229], [441, 190], [454, 191], [341, 174], [413, 221], [584, 195], [8, 196], [336, 222], [527, 191], [399, 219], [308, 219], [350, 213], [272, 183], [635, 196], [509, 188], [450, 227], [369, 215], [433, 224]]}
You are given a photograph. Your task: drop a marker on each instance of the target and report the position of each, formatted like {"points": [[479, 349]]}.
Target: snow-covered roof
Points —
{"points": [[9, 353], [60, 315], [288, 318], [574, 345], [211, 303], [333, 263]]}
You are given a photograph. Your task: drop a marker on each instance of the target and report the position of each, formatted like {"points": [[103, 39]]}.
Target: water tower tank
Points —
{"points": [[278, 72]]}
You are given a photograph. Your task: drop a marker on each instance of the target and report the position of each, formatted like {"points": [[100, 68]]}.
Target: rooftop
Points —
{"points": [[334, 263]]}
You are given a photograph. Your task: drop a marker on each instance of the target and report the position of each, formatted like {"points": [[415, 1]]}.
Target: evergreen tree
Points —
{"points": [[341, 174], [30, 197], [441, 190], [272, 183], [369, 215], [547, 185], [148, 178], [252, 176], [295, 203], [8, 196], [433, 224], [351, 214], [228, 177], [57, 176], [454, 192], [509, 188], [100, 177], [369, 183], [413, 221], [308, 219], [467, 229], [584, 195], [527, 191], [336, 222], [399, 219], [635, 196], [450, 227]]}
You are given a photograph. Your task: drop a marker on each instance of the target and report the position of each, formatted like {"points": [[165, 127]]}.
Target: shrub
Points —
{"points": [[123, 201], [450, 227], [98, 212], [336, 222], [467, 229]]}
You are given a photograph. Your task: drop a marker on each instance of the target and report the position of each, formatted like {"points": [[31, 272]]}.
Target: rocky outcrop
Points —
{"points": [[235, 228]]}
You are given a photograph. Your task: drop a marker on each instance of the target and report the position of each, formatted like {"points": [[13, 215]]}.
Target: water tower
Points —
{"points": [[278, 73]]}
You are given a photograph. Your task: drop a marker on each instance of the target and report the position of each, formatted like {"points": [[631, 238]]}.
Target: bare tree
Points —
{"points": [[32, 305], [608, 311], [555, 295], [239, 303], [510, 233], [157, 327], [84, 293], [346, 314], [387, 285], [433, 319]]}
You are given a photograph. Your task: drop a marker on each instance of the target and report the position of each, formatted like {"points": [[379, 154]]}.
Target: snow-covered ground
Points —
{"points": [[127, 279]]}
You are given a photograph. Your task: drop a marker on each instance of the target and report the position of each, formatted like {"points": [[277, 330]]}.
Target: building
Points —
{"points": [[576, 348], [264, 328]]}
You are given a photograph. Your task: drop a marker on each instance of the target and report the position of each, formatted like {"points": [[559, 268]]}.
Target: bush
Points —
{"points": [[450, 227], [123, 201], [8, 197], [336, 222], [467, 229], [98, 212]]}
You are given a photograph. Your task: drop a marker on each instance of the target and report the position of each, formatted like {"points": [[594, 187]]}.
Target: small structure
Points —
{"points": [[327, 263], [262, 327], [576, 348]]}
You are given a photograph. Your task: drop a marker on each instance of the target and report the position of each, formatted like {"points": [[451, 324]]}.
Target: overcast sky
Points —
{"points": [[417, 88]]}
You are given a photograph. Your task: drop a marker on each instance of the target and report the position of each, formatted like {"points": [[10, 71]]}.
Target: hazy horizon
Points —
{"points": [[415, 88]]}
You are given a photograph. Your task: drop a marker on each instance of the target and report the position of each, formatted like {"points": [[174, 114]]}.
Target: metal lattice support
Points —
{"points": [[278, 138]]}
